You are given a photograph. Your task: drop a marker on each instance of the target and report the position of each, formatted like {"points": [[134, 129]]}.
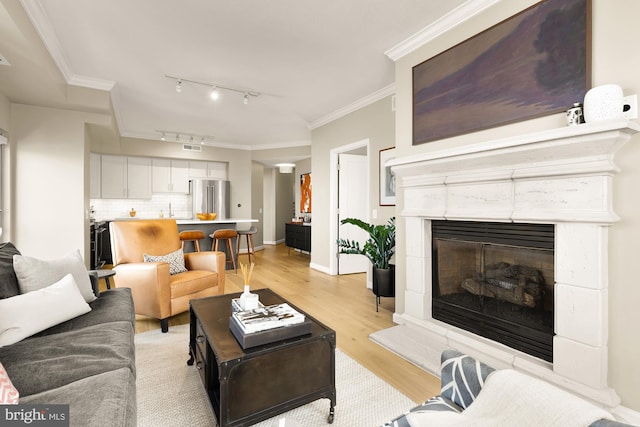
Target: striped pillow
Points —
{"points": [[462, 377], [8, 393]]}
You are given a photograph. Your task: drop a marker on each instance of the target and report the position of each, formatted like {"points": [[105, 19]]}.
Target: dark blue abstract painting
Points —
{"points": [[533, 64]]}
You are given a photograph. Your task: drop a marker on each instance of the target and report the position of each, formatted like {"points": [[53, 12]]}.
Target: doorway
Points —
{"points": [[355, 157]]}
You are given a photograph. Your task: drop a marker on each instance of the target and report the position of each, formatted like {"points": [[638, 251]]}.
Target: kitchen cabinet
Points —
{"points": [[209, 170], [95, 182], [170, 176], [125, 177]]}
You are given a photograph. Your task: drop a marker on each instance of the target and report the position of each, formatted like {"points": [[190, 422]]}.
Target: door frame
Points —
{"points": [[333, 197]]}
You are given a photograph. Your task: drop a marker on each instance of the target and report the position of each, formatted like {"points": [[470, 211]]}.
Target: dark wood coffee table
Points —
{"points": [[252, 385]]}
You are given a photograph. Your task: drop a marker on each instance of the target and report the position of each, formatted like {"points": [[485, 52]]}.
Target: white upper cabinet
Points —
{"points": [[125, 177], [170, 176], [207, 170]]}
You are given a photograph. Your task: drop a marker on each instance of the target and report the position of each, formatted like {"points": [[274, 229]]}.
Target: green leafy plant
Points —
{"points": [[380, 246]]}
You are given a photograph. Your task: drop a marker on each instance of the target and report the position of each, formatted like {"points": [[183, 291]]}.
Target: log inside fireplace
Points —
{"points": [[496, 280]]}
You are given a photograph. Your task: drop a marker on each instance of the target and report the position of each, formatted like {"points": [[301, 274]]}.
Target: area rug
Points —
{"points": [[170, 393]]}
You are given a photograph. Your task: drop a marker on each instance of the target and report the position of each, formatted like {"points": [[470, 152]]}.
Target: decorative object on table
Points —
{"points": [[532, 64], [305, 193], [387, 178], [248, 301], [206, 216], [604, 102], [132, 213], [268, 324], [379, 249], [575, 115]]}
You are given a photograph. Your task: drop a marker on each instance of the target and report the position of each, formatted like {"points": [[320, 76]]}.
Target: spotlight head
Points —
{"points": [[214, 93], [179, 86], [246, 98]]}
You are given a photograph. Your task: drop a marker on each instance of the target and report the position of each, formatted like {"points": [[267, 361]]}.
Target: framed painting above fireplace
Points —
{"points": [[532, 64]]}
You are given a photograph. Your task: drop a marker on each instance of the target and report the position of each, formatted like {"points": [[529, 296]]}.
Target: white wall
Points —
{"points": [[613, 61], [376, 122], [50, 181]]}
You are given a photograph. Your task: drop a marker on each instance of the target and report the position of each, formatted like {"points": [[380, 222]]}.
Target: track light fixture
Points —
{"points": [[214, 89], [185, 137], [214, 93]]}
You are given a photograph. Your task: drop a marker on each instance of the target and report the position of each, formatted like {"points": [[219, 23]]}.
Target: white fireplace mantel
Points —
{"points": [[560, 176]]}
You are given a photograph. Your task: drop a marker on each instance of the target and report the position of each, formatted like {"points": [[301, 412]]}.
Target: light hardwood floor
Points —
{"points": [[341, 302]]}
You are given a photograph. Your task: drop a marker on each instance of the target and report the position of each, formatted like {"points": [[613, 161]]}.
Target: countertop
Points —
{"points": [[194, 220]]}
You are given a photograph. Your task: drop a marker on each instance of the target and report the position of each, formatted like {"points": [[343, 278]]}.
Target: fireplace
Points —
{"points": [[559, 179], [496, 280]]}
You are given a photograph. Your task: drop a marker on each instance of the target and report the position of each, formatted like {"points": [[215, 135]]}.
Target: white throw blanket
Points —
{"points": [[510, 398]]}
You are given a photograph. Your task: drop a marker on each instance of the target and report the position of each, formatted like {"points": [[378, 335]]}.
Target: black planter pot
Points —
{"points": [[384, 282]]}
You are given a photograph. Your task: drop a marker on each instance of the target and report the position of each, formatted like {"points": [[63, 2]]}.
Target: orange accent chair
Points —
{"points": [[156, 292]]}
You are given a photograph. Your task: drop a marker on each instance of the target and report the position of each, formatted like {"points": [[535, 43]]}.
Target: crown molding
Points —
{"points": [[42, 25], [361, 103], [451, 20]]}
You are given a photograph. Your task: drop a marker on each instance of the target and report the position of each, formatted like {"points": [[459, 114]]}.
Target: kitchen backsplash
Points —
{"points": [[108, 209]]}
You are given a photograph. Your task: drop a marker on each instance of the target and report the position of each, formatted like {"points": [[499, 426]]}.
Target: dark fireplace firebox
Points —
{"points": [[496, 280]]}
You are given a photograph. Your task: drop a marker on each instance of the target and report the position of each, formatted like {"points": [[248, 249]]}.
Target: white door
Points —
{"points": [[352, 203]]}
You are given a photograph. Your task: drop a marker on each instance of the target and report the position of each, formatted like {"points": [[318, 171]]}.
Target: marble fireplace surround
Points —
{"points": [[562, 176]]}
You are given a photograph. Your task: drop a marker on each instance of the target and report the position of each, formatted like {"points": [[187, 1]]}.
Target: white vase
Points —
{"points": [[603, 103]]}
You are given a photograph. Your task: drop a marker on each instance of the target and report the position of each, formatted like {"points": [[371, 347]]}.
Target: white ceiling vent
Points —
{"points": [[3, 60], [187, 147]]}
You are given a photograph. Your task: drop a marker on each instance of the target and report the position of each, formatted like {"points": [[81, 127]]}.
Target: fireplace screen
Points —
{"points": [[496, 280]]}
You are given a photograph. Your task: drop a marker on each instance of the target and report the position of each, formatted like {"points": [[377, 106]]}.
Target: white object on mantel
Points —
{"points": [[604, 102]]}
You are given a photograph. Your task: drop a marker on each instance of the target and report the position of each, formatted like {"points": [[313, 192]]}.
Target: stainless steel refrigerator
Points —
{"points": [[211, 196]]}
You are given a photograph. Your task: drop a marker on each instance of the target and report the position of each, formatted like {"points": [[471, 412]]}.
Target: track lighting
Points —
{"points": [[214, 89], [181, 136], [214, 93]]}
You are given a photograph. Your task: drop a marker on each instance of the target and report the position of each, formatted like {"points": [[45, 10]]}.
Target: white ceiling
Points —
{"points": [[309, 59]]}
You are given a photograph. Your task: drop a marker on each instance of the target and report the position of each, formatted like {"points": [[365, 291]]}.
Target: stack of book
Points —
{"points": [[267, 324]]}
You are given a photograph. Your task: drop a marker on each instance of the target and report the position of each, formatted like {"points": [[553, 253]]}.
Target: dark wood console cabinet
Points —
{"points": [[298, 236]]}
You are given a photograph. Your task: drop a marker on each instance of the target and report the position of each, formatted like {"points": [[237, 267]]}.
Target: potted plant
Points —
{"points": [[379, 249]]}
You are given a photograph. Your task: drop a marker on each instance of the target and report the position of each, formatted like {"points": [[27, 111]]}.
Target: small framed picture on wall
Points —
{"points": [[387, 178]]}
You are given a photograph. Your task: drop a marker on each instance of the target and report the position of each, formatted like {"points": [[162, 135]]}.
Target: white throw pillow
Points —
{"points": [[174, 259], [34, 274], [27, 314]]}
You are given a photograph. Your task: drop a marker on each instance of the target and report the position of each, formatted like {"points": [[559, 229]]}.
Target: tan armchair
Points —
{"points": [[156, 293]]}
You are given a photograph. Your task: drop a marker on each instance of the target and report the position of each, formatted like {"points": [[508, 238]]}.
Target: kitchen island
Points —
{"points": [[208, 227]]}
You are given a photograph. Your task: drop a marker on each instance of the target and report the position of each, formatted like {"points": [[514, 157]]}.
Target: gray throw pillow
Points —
{"points": [[34, 274], [174, 259], [8, 280], [462, 377]]}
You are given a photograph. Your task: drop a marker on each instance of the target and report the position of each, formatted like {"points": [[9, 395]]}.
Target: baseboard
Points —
{"points": [[320, 268]]}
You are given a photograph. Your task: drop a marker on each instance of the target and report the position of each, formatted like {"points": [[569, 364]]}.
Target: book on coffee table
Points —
{"points": [[268, 324], [268, 317]]}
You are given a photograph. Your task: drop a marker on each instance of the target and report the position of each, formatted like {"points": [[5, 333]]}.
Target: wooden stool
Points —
{"points": [[191, 236], [249, 235], [228, 235]]}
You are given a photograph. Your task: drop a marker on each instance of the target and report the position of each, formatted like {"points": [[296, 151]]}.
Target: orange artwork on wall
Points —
{"points": [[305, 193]]}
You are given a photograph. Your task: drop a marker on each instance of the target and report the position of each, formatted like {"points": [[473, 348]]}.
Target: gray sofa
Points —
{"points": [[462, 381], [87, 362]]}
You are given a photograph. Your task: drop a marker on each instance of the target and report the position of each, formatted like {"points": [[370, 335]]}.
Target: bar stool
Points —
{"points": [[191, 236], [249, 235], [228, 235]]}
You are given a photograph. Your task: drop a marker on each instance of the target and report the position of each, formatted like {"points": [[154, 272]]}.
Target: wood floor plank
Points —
{"points": [[341, 302]]}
